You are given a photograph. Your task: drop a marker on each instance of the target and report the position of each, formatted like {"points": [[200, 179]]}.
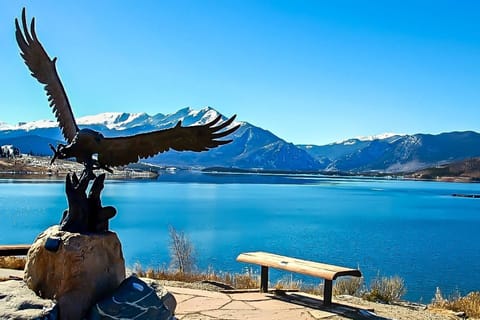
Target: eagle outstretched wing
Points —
{"points": [[124, 150], [44, 70]]}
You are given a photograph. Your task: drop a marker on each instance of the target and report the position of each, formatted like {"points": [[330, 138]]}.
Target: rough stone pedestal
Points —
{"points": [[83, 269]]}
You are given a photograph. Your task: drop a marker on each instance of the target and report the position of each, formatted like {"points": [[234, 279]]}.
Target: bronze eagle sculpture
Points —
{"points": [[90, 147]]}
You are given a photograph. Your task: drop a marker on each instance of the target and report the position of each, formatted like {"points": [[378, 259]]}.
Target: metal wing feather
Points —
{"points": [[44, 70], [124, 150]]}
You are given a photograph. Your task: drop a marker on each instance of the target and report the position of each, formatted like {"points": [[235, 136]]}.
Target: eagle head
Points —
{"points": [[84, 145]]}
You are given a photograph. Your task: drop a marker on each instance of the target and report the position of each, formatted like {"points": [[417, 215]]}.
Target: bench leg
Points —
{"points": [[264, 280], [327, 292]]}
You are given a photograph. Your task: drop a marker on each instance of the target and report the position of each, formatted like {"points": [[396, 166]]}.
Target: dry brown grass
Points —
{"points": [[17, 263], [244, 280], [348, 285], [247, 280], [289, 283], [385, 289], [313, 289], [470, 304]]}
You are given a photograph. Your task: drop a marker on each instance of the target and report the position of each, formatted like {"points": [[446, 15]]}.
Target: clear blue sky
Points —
{"points": [[309, 71]]}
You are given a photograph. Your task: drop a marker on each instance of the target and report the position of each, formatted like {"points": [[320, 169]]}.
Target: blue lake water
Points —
{"points": [[416, 230]]}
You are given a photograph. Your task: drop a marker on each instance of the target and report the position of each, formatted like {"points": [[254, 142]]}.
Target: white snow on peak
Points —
{"points": [[206, 115], [27, 126], [101, 118], [36, 124], [6, 126], [380, 136], [114, 120], [190, 116]]}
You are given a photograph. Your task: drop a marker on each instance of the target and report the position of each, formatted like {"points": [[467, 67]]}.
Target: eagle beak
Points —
{"points": [[56, 152]]}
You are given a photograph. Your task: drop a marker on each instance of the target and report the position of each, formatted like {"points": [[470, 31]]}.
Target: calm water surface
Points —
{"points": [[416, 230]]}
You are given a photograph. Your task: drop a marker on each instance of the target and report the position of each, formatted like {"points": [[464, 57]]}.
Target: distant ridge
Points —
{"points": [[466, 170], [256, 149], [397, 153]]}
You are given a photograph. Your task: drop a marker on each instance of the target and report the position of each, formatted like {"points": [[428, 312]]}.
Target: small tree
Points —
{"points": [[182, 252]]}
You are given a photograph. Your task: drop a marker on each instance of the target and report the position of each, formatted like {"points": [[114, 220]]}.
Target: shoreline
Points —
{"points": [[34, 167], [39, 167]]}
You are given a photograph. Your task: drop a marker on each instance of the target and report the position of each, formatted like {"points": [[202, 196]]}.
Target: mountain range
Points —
{"points": [[254, 148]]}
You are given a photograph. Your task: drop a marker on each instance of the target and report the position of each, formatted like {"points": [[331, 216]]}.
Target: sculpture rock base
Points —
{"points": [[77, 270]]}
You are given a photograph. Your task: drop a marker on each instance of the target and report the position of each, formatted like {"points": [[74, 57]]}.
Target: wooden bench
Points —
{"points": [[326, 271], [14, 250]]}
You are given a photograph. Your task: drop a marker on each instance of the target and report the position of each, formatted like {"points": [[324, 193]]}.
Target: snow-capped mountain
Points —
{"points": [[252, 147], [396, 153], [257, 148]]}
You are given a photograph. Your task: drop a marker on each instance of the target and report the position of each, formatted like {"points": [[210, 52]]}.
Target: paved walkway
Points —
{"points": [[199, 304]]}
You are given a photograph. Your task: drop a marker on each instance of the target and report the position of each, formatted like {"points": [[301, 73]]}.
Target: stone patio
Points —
{"points": [[199, 304]]}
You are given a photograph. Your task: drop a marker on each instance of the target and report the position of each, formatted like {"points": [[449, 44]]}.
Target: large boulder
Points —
{"points": [[75, 269]]}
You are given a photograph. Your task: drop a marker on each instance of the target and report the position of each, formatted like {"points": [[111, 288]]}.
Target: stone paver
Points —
{"points": [[273, 305], [198, 304], [320, 314], [182, 297], [250, 296], [197, 292], [281, 314], [238, 305]]}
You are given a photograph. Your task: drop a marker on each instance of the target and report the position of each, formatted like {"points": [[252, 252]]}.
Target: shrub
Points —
{"points": [[470, 304], [247, 280], [348, 285], [182, 253], [13, 262], [385, 289], [287, 283]]}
